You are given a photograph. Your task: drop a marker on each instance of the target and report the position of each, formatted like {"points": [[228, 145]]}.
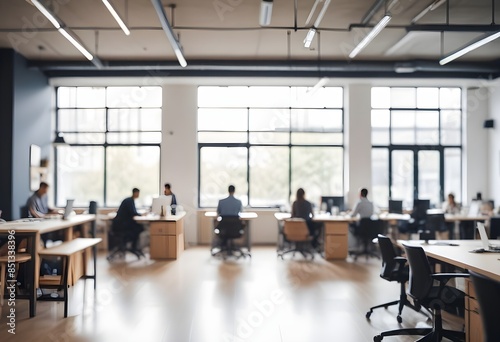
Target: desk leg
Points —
{"points": [[249, 240], [31, 271]]}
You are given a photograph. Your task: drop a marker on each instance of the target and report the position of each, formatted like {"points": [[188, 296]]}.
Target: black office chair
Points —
{"points": [[229, 229], [495, 227], [366, 230], [418, 220], [120, 241], [297, 238], [394, 268], [434, 223], [434, 297], [488, 297]]}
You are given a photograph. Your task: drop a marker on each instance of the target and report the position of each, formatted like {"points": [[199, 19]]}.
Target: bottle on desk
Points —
{"points": [[162, 212]]}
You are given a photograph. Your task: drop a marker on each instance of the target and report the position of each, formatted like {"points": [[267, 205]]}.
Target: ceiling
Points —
{"points": [[224, 38]]}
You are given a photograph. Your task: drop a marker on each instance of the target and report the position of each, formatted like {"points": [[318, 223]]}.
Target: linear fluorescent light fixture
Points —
{"points": [[309, 37], [115, 15], [59, 26], [169, 32], [369, 37], [482, 40], [266, 11], [321, 83], [426, 10]]}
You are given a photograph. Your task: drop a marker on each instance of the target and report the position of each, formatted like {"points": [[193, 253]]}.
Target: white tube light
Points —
{"points": [[46, 13], [322, 13], [169, 32], [73, 41], [309, 37], [266, 11], [115, 15], [426, 10], [369, 37], [313, 9], [485, 39]]}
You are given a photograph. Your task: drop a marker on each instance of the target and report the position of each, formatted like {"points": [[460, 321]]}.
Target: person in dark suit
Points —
{"points": [[124, 222], [168, 192]]}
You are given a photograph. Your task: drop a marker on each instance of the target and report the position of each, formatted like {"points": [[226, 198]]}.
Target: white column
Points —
{"points": [[179, 150], [357, 125]]}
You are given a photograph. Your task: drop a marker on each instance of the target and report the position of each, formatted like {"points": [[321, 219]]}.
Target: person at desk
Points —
{"points": [[363, 207], [124, 221], [453, 208], [302, 208], [168, 192], [229, 206], [37, 204]]}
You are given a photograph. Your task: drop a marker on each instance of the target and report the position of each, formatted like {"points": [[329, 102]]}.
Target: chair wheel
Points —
{"points": [[377, 338], [368, 314], [400, 320]]}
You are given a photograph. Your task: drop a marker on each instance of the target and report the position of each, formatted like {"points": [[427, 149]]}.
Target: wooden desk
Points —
{"points": [[166, 235], [459, 256], [244, 216], [335, 233], [32, 230]]}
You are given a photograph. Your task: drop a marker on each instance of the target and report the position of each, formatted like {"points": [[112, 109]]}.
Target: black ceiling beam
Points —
{"points": [[453, 28], [377, 5]]}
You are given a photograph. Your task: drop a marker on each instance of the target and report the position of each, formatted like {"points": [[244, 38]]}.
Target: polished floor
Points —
{"points": [[201, 299]]}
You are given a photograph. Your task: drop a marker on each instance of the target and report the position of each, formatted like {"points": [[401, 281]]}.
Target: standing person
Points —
{"points": [[302, 208], [125, 224], [37, 204], [168, 192], [229, 206]]}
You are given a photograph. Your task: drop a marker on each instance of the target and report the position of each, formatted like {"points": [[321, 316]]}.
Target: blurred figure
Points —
{"points": [[229, 206], [450, 206], [302, 208]]}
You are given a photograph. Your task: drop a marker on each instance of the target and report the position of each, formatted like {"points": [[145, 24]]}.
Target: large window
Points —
{"points": [[269, 141], [114, 136], [417, 144]]}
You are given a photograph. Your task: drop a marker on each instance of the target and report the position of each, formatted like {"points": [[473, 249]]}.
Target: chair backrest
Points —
{"points": [[369, 228], [436, 222], [495, 227], [295, 229], [421, 281], [420, 208], [23, 211], [388, 256], [93, 224], [396, 206], [230, 227], [488, 297]]}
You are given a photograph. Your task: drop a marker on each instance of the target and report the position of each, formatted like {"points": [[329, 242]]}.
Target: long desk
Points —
{"points": [[32, 230], [459, 256], [166, 235]]}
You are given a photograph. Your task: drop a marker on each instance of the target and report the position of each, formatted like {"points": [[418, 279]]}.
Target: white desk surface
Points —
{"points": [[487, 264], [244, 215], [45, 225]]}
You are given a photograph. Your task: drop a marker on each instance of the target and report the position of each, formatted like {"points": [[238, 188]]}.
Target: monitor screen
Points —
{"points": [[333, 201], [159, 202], [420, 207], [395, 207]]}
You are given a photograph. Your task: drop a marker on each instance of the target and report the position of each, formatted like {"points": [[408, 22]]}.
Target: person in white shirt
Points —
{"points": [[363, 207]]}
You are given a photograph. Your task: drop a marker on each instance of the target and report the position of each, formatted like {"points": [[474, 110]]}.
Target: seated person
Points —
{"points": [[363, 208], [453, 208], [37, 204], [302, 208], [168, 192], [124, 222], [229, 206]]}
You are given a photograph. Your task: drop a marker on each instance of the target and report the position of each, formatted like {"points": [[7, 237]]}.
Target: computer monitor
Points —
{"points": [[474, 208], [68, 209], [420, 207], [395, 207], [158, 202], [333, 201]]}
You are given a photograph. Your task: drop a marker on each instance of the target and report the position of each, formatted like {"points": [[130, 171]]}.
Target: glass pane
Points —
{"points": [[381, 97], [222, 137], [219, 168], [80, 175], [428, 177], [427, 119], [268, 97], [452, 172], [403, 119], [427, 97], [134, 138], [380, 136], [323, 97], [316, 120], [380, 177], [134, 119], [402, 177], [132, 97], [66, 97], [269, 176], [85, 138], [317, 138], [380, 118], [403, 136], [218, 119], [131, 167], [451, 137], [270, 138], [427, 137], [223, 97], [90, 97], [403, 98], [450, 98], [269, 119], [451, 119], [319, 171], [82, 120]]}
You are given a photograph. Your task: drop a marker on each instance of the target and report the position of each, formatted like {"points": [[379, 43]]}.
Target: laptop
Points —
{"points": [[487, 246], [68, 209]]}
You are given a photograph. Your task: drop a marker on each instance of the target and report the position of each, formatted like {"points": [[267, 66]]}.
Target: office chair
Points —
{"points": [[418, 220], [297, 238], [229, 229], [394, 268], [495, 227], [434, 297], [488, 297], [434, 223], [366, 230], [118, 240]]}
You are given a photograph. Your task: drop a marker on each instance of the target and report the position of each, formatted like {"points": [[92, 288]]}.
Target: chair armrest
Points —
{"points": [[400, 260], [443, 278]]}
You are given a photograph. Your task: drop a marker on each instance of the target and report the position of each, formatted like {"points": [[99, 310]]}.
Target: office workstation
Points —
{"points": [[201, 95]]}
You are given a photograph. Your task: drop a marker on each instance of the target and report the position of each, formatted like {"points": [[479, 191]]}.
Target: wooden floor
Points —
{"points": [[201, 299]]}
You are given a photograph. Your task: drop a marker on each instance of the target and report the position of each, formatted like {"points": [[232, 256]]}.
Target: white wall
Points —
{"points": [[475, 162], [494, 144], [179, 151]]}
